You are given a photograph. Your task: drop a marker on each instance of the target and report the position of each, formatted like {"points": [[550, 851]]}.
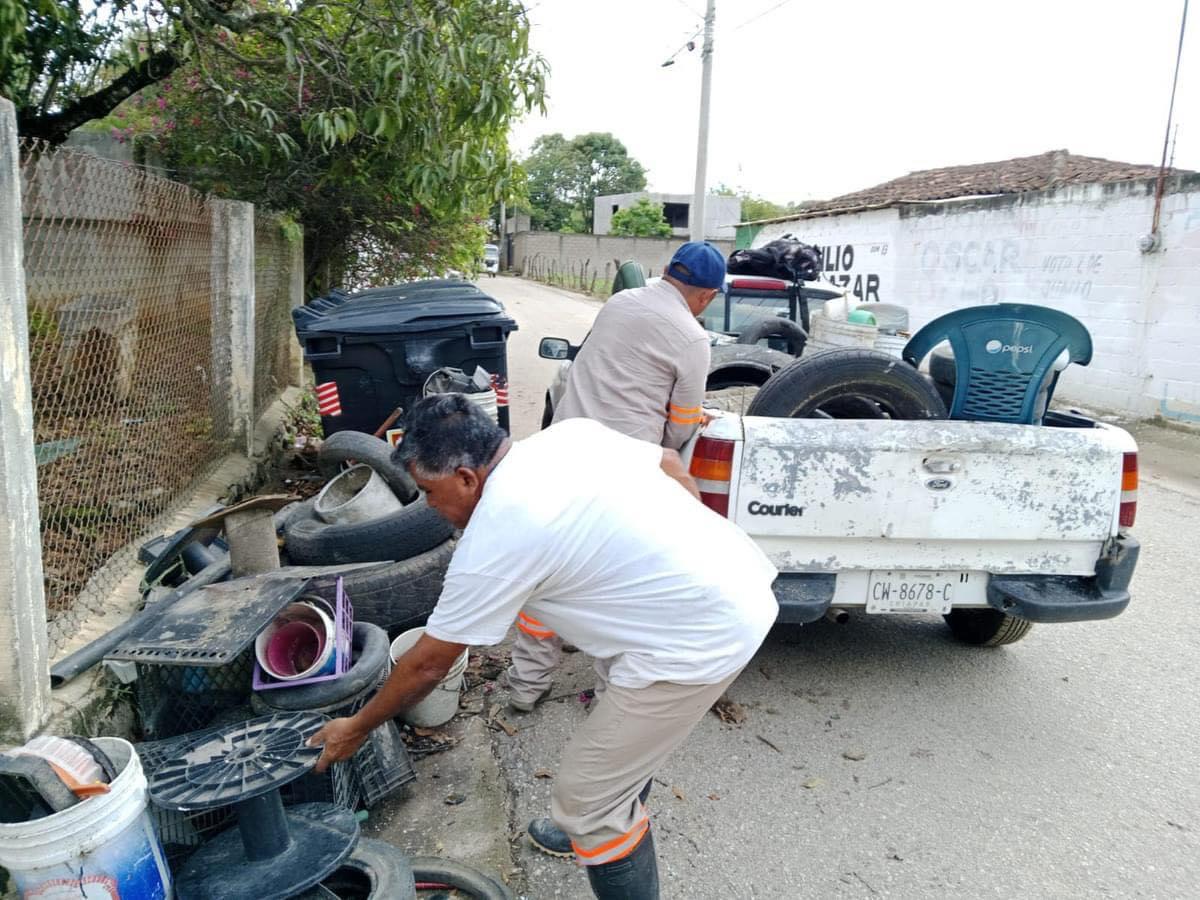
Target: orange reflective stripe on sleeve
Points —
{"points": [[618, 848], [685, 410], [689, 420]]}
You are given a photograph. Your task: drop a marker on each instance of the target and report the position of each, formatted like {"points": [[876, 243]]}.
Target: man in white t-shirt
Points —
{"points": [[641, 372], [600, 537]]}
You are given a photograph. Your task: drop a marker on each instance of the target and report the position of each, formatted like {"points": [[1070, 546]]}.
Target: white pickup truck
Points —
{"points": [[995, 526]]}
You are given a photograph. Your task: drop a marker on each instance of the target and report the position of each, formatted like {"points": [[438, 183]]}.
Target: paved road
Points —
{"points": [[1063, 766]]}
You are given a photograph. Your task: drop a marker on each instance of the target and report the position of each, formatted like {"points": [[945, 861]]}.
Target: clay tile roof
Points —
{"points": [[1010, 176]]}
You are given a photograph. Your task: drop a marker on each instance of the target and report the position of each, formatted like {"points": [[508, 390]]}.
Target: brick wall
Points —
{"points": [[1074, 248], [581, 259]]}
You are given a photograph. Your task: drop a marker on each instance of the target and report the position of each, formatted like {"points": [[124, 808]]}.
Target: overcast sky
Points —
{"points": [[815, 99]]}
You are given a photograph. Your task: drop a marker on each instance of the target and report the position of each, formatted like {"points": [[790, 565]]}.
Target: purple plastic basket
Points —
{"points": [[343, 617]]}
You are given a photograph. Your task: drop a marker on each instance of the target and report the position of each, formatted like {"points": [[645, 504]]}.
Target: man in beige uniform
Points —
{"points": [[641, 372]]}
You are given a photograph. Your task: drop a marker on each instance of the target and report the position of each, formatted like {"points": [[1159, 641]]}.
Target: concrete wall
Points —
{"points": [[719, 212], [1074, 248], [535, 252]]}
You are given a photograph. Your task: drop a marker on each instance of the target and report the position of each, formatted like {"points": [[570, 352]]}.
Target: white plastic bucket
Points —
{"points": [[486, 400], [99, 849], [827, 332], [892, 344], [442, 703], [357, 495]]}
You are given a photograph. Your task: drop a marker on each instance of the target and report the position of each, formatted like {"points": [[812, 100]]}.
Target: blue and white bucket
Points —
{"points": [[103, 848]]}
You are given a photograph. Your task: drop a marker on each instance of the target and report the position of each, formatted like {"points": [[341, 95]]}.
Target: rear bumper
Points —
{"points": [[806, 597]]}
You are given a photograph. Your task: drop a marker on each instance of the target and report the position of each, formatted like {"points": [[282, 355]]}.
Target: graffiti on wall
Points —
{"points": [[859, 268], [1064, 275]]}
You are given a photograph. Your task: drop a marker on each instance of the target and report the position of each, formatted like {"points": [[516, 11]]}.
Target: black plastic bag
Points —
{"points": [[784, 258]]}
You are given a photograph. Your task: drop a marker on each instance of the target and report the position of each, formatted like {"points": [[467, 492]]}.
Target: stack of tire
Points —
{"points": [[412, 546]]}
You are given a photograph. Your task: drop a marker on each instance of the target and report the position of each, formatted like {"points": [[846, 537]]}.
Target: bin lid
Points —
{"points": [[413, 306]]}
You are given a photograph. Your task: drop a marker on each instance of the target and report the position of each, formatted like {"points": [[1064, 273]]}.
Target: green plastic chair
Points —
{"points": [[1007, 358], [629, 275]]}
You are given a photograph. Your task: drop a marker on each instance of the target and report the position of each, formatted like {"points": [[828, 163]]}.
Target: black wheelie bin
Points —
{"points": [[373, 350]]}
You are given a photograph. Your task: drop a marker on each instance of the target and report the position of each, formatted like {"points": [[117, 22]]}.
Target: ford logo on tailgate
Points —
{"points": [[939, 484]]}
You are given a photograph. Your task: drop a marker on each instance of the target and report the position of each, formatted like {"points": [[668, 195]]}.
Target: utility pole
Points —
{"points": [[696, 221]]}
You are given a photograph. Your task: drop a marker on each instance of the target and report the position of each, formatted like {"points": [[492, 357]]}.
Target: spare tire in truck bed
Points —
{"points": [[848, 384]]}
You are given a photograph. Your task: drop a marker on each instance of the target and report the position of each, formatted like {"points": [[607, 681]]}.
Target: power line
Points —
{"points": [[765, 12], [688, 7]]}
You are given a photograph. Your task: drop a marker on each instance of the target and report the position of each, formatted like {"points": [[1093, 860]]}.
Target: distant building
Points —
{"points": [[719, 213]]}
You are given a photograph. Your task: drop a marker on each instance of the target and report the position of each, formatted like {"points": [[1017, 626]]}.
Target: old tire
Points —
{"points": [[458, 875], [370, 646], [776, 327], [410, 531], [986, 627], [375, 870], [848, 384], [395, 596], [344, 446], [942, 368]]}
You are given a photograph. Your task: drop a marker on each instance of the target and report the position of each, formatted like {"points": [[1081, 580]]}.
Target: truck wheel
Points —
{"points": [[986, 627], [761, 329], [848, 384]]}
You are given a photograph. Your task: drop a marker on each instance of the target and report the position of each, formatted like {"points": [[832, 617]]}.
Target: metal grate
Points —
{"points": [[117, 267], [273, 333], [994, 395]]}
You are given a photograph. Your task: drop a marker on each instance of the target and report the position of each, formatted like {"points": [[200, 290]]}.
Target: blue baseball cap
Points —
{"points": [[699, 264]]}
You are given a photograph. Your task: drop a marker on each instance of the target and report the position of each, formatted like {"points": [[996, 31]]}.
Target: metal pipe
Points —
{"points": [[837, 615], [1160, 186]]}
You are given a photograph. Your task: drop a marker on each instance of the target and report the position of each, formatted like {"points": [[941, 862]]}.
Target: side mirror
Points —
{"points": [[555, 348]]}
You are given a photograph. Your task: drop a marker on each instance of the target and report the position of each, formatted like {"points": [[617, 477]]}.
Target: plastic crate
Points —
{"points": [[343, 617]]}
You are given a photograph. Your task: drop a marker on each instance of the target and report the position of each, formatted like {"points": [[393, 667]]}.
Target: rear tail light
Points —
{"points": [[758, 284], [712, 467], [1129, 487]]}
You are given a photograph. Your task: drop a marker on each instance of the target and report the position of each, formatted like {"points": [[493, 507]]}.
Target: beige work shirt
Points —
{"points": [[642, 369]]}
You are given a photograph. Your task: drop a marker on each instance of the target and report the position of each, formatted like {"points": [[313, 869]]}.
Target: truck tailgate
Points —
{"points": [[827, 496]]}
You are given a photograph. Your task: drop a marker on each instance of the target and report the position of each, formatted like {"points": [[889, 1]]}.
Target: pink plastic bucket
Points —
{"points": [[293, 649]]}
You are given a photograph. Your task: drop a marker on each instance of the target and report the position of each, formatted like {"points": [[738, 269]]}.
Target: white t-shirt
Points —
{"points": [[580, 526]]}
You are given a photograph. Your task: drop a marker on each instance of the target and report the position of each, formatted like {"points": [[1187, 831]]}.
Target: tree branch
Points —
{"points": [[55, 127]]}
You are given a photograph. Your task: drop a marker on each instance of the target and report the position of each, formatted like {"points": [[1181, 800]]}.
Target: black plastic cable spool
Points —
{"points": [[273, 853]]}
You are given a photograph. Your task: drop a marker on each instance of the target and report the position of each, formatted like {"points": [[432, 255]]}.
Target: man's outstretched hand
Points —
{"points": [[340, 738]]}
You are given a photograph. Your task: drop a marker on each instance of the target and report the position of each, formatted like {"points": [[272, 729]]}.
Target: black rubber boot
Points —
{"points": [[635, 877]]}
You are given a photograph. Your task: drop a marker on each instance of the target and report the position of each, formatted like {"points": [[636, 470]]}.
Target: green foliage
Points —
{"points": [[564, 177], [643, 219], [383, 132], [755, 208]]}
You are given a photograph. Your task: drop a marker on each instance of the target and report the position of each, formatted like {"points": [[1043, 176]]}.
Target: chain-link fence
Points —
{"points": [[273, 335], [118, 265]]}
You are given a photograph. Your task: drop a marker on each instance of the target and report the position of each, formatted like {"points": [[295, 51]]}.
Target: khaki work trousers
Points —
{"points": [[624, 741], [536, 653]]}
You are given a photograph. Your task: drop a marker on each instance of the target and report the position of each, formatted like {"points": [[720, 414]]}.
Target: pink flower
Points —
{"points": [[162, 102]]}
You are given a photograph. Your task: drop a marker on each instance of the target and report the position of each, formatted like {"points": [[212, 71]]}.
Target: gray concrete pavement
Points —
{"points": [[1063, 766]]}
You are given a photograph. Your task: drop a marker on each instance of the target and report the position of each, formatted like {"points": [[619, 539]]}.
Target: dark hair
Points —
{"points": [[447, 432]]}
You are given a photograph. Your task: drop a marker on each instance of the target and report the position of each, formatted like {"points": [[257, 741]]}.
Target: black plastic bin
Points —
{"points": [[373, 351]]}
